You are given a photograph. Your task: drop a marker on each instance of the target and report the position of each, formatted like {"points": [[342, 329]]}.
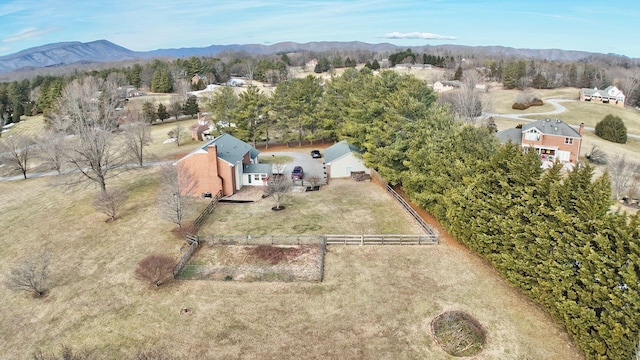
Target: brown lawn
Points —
{"points": [[375, 302]]}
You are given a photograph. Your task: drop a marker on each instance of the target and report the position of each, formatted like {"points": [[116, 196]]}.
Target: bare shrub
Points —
{"points": [[313, 180], [526, 96], [597, 156], [156, 269], [110, 202], [31, 275]]}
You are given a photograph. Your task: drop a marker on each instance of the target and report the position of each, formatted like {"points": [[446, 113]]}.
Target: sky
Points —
{"points": [[141, 25]]}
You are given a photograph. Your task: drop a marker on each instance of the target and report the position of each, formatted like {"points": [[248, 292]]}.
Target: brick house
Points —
{"points": [[551, 139], [609, 95], [224, 164]]}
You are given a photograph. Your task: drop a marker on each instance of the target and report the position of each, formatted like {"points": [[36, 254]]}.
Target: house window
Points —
{"points": [[263, 177], [568, 141], [532, 135], [256, 176]]}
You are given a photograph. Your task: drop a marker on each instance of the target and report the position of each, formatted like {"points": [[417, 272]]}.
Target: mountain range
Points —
{"points": [[67, 53]]}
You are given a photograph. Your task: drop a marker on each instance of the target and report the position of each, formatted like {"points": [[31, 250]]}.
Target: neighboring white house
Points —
{"points": [[341, 159], [609, 95], [441, 86]]}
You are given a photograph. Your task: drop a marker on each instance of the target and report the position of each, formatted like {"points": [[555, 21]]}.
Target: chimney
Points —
{"points": [[581, 130]]}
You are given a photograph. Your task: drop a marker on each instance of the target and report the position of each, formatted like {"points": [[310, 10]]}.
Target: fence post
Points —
{"points": [[361, 239]]}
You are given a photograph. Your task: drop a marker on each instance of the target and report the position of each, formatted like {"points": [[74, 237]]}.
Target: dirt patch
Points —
{"points": [[256, 263]]}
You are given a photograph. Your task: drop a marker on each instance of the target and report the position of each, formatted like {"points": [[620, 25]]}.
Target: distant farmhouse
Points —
{"points": [[609, 95], [552, 139], [445, 85], [224, 164]]}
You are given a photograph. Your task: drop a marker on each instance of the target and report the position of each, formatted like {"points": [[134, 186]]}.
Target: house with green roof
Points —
{"points": [[224, 164], [343, 158]]}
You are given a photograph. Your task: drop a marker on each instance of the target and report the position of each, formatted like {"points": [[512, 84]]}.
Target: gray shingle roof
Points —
{"points": [[513, 134], [552, 127], [231, 149], [257, 169], [338, 150]]}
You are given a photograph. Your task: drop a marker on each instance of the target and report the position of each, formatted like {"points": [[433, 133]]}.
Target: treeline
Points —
{"points": [[408, 56]]}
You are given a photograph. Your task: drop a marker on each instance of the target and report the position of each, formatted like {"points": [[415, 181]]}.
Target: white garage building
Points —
{"points": [[341, 159]]}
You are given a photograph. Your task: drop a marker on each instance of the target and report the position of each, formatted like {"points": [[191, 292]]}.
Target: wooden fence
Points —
{"points": [[192, 239], [262, 239], [186, 256], [204, 215], [366, 239], [412, 212]]}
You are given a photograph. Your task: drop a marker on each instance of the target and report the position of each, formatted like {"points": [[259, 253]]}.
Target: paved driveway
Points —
{"points": [[311, 166]]}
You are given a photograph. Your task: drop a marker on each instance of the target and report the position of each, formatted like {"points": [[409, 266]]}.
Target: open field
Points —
{"points": [[500, 100], [375, 303]]}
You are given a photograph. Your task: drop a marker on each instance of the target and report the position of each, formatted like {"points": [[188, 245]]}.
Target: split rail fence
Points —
{"points": [[366, 239]]}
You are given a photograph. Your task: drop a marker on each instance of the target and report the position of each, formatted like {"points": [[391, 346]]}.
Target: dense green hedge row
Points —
{"points": [[550, 234]]}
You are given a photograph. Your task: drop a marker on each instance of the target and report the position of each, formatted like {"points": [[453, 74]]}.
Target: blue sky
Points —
{"points": [[597, 26]]}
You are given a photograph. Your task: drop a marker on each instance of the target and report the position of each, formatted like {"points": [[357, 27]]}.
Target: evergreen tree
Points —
{"points": [[190, 106], [162, 113], [458, 74], [612, 128], [149, 112]]}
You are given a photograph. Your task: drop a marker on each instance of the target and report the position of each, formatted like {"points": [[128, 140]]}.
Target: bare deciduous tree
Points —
{"points": [[175, 109], [629, 83], [87, 110], [178, 132], [176, 193], [278, 186], [137, 135], [51, 149], [31, 275], [110, 202], [181, 87], [467, 101], [15, 151], [622, 172], [156, 269]]}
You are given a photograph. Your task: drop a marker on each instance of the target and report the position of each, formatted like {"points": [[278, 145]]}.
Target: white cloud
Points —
{"points": [[417, 35], [29, 33]]}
